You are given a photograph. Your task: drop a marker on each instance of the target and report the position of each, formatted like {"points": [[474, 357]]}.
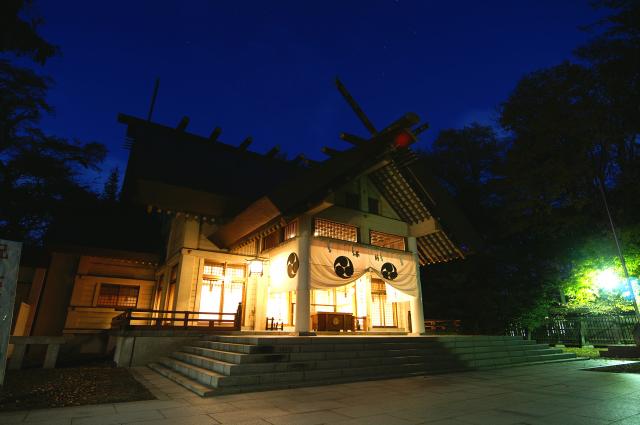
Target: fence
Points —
{"points": [[157, 319], [443, 326], [589, 330]]}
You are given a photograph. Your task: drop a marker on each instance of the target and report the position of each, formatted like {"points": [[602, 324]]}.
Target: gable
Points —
{"points": [[364, 189]]}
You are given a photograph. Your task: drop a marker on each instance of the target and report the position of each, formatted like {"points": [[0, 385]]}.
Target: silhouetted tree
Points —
{"points": [[38, 172], [20, 36], [110, 191], [535, 198]]}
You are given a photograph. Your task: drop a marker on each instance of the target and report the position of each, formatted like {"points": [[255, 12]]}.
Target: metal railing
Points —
{"points": [[163, 319], [588, 330]]}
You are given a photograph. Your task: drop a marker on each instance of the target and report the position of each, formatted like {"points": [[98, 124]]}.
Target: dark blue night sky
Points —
{"points": [[267, 68]]}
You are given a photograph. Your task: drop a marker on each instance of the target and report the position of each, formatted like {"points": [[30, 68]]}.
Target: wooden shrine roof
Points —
{"points": [[174, 170], [171, 169]]}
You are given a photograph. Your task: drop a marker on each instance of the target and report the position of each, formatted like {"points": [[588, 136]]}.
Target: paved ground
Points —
{"points": [[552, 394]]}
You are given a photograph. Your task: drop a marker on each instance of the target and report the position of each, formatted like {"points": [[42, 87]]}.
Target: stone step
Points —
{"points": [[185, 381], [326, 379], [288, 365], [506, 361], [205, 391], [309, 344], [222, 364], [500, 354], [485, 343], [201, 375], [232, 357], [233, 347], [215, 379], [496, 348]]}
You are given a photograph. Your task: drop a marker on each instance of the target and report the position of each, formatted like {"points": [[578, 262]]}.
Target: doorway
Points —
{"points": [[221, 291], [383, 311]]}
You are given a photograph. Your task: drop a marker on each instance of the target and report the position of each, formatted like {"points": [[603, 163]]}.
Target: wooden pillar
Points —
{"points": [[417, 309], [56, 294], [261, 300], [15, 362], [187, 271], [303, 290], [51, 357]]}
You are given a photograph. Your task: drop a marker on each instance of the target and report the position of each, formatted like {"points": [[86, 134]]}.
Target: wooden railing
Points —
{"points": [[163, 319], [273, 325], [360, 323], [434, 326]]}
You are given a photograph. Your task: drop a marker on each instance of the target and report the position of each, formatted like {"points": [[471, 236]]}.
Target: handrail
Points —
{"points": [[154, 319], [442, 325]]}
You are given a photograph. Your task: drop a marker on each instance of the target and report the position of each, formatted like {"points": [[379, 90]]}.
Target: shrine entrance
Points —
{"points": [[222, 289], [384, 313]]}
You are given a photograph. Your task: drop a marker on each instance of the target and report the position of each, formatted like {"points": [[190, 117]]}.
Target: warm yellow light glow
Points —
{"points": [[256, 267], [278, 307], [277, 272]]}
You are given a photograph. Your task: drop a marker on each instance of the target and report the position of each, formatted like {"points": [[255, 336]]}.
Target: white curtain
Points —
{"points": [[281, 268], [336, 264]]}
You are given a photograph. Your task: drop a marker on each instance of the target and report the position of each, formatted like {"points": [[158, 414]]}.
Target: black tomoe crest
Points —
{"points": [[293, 264], [389, 271], [343, 267]]}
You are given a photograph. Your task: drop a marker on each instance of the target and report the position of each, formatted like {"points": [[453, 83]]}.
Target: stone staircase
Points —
{"points": [[231, 364]]}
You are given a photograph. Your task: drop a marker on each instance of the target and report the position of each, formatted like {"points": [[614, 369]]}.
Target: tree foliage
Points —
{"points": [[535, 194], [595, 255], [39, 173], [110, 191]]}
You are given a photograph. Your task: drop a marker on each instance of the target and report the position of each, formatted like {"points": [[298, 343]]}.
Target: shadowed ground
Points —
{"points": [[550, 394]]}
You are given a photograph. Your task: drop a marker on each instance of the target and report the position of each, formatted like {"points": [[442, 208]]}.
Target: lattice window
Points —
{"points": [[235, 272], [331, 229], [378, 287], [291, 230], [214, 270], [118, 296], [386, 240]]}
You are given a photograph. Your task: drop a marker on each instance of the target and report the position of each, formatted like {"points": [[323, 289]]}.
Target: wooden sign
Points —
{"points": [[9, 263]]}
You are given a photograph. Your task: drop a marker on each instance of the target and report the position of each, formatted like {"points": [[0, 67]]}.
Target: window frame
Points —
{"points": [[336, 223], [117, 305], [222, 279], [383, 234]]}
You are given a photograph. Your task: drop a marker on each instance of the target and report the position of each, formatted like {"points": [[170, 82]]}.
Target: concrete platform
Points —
{"points": [[622, 352]]}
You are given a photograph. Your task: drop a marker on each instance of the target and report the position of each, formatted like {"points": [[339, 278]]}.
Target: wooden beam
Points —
{"points": [[245, 143], [273, 152], [182, 125], [215, 134], [419, 129], [355, 107], [330, 151], [354, 140]]}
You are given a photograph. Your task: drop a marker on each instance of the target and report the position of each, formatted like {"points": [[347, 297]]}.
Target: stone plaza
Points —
{"points": [[564, 393]]}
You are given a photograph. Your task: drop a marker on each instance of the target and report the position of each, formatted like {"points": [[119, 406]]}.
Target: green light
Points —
{"points": [[607, 279]]}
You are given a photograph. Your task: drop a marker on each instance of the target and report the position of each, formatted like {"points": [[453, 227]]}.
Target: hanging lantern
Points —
{"points": [[256, 267]]}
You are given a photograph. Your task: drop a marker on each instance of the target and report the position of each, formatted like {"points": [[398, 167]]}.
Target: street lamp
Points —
{"points": [[620, 255]]}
